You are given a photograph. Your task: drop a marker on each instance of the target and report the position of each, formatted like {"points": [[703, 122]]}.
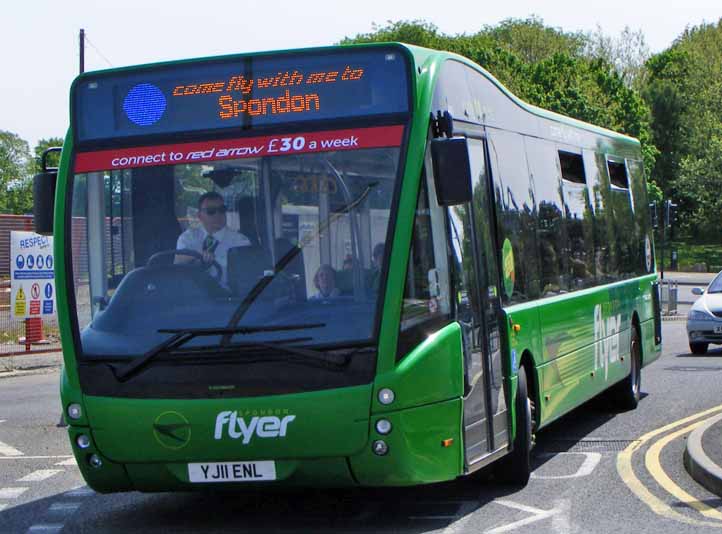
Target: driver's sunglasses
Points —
{"points": [[214, 210]]}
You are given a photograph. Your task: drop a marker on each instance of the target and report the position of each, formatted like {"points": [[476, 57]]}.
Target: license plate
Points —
{"points": [[232, 472], [718, 329]]}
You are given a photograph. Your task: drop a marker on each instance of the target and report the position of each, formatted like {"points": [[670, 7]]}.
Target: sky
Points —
{"points": [[39, 38]]}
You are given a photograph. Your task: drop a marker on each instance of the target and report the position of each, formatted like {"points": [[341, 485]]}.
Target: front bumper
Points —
{"points": [[417, 454], [704, 331]]}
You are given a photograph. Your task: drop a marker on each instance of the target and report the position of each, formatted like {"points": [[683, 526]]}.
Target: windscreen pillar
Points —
{"points": [[96, 241]]}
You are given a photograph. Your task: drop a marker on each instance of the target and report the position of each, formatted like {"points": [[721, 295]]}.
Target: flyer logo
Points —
{"points": [[172, 430]]}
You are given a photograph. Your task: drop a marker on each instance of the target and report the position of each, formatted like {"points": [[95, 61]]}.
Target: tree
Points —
{"points": [[14, 174], [546, 67], [627, 53], [53, 158], [684, 91]]}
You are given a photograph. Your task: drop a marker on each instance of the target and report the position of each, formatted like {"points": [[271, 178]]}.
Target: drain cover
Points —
{"points": [[585, 445], [692, 368]]}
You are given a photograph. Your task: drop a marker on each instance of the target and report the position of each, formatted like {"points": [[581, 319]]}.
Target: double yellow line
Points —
{"points": [[654, 466]]}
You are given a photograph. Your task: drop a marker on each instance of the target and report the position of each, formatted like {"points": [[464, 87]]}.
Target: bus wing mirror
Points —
{"points": [[452, 173], [44, 201], [44, 193]]}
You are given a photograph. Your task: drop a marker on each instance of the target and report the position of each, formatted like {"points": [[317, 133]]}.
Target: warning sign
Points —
{"points": [[19, 303], [31, 272]]}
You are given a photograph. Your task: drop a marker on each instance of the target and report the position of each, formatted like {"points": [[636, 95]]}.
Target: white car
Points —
{"points": [[704, 321]]}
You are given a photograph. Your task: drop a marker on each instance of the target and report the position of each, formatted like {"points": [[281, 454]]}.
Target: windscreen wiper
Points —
{"points": [[181, 336], [281, 264]]}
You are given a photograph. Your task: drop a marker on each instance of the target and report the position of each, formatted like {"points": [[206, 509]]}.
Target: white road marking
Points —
{"points": [[561, 523], [7, 450], [47, 528], [537, 515], [3, 420], [464, 515], [64, 507], [40, 475], [23, 457], [69, 461], [3, 506], [590, 462], [83, 491], [12, 493]]}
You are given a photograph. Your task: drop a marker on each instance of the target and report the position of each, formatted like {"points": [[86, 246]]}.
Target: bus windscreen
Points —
{"points": [[241, 92]]}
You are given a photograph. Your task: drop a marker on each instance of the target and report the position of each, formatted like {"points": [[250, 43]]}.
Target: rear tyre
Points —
{"points": [[515, 468], [698, 348], [627, 392]]}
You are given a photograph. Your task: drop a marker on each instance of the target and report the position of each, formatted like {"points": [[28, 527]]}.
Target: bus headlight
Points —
{"points": [[383, 426], [83, 441], [95, 461], [75, 411], [386, 396]]}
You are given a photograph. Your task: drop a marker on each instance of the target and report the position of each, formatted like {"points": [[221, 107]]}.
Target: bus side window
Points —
{"points": [[607, 229], [579, 221], [426, 293], [516, 216], [551, 227]]}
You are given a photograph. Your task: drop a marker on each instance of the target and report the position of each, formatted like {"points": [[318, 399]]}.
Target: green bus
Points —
{"points": [[348, 266]]}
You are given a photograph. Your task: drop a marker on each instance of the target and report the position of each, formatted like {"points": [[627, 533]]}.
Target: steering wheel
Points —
{"points": [[205, 266]]}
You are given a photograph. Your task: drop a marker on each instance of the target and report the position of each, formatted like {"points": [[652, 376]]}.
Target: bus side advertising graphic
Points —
{"points": [[32, 291]]}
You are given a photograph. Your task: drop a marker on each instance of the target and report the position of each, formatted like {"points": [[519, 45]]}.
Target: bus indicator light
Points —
{"points": [[447, 442], [380, 448]]}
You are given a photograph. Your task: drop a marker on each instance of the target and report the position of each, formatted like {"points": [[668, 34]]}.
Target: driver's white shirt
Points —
{"points": [[193, 239]]}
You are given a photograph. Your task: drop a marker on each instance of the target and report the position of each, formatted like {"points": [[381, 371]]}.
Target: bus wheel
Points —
{"points": [[515, 468], [627, 392], [699, 348]]}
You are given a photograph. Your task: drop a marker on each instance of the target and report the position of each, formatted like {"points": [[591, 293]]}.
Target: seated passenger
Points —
{"points": [[325, 282], [213, 238]]}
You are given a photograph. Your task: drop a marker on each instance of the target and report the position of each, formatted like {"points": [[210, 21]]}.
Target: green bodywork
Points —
{"points": [[331, 441]]}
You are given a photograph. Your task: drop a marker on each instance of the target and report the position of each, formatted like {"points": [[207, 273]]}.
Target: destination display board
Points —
{"points": [[240, 92]]}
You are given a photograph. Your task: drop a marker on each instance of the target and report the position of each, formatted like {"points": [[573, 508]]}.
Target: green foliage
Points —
{"points": [[15, 182], [684, 91], [53, 158], [17, 169], [546, 67]]}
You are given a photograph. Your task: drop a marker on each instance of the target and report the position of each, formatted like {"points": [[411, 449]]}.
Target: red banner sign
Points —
{"points": [[246, 147]]}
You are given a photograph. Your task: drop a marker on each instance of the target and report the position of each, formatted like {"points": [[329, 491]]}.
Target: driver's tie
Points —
{"points": [[209, 244]]}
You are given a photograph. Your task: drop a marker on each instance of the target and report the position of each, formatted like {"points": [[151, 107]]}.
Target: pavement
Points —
{"points": [[30, 364], [703, 455]]}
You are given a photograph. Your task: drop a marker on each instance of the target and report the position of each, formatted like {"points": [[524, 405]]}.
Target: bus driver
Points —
{"points": [[213, 238]]}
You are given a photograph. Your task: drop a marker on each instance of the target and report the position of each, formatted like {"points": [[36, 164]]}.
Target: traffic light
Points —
{"points": [[653, 217], [670, 216]]}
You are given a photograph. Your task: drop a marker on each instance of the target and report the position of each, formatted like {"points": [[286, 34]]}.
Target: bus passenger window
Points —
{"points": [[421, 296], [579, 221]]}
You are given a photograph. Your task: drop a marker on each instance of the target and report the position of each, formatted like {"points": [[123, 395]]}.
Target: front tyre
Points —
{"points": [[515, 468], [699, 348], [627, 392]]}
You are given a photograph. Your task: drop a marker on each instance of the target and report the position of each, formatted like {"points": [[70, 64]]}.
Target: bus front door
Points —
{"points": [[486, 425]]}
